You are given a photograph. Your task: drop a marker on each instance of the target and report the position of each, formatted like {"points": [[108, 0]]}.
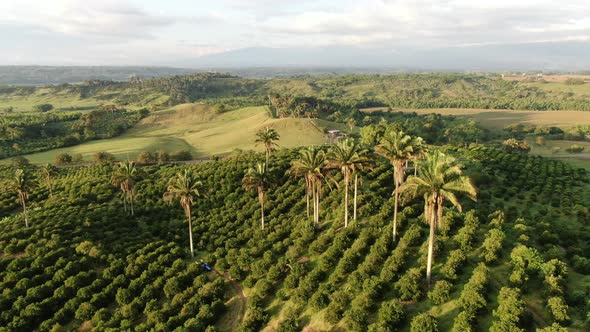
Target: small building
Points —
{"points": [[333, 134]]}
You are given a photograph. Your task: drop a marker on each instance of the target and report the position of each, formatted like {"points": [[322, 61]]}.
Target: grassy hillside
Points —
{"points": [[79, 97], [200, 129], [84, 263], [498, 119]]}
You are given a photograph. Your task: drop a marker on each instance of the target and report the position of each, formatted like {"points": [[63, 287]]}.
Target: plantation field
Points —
{"points": [[200, 130], [498, 119], [516, 257]]}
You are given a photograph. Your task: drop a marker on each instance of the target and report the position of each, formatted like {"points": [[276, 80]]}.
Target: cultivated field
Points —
{"points": [[498, 119]]}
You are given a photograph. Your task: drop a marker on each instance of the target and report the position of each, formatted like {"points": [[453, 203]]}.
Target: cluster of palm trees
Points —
{"points": [[22, 185], [437, 178]]}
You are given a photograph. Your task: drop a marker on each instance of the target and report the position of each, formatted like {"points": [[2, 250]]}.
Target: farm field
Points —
{"points": [[498, 119], [97, 262], [557, 149]]}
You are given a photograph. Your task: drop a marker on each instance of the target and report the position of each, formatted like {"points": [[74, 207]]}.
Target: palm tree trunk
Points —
{"points": [[190, 230], [430, 243], [415, 168], [50, 190], [262, 209], [125, 201], [316, 204], [440, 211], [25, 213], [307, 194], [356, 180], [267, 157], [131, 202], [346, 200], [395, 202]]}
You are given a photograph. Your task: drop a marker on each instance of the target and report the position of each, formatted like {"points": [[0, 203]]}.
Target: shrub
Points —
{"points": [[581, 264], [390, 316], [182, 156], [408, 286], [440, 293], [509, 312], [455, 260], [424, 323], [77, 158], [462, 322], [492, 245], [85, 311], [62, 159], [514, 145], [558, 308], [146, 157], [574, 81], [472, 298], [553, 328], [575, 148], [42, 108], [103, 157]]}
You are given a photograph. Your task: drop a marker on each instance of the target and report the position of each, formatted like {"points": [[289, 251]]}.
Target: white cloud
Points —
{"points": [[131, 28]]}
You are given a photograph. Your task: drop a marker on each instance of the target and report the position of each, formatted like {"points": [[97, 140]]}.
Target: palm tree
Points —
{"points": [[398, 148], [124, 178], [268, 137], [185, 188], [256, 178], [346, 156], [419, 153], [310, 165], [48, 173], [363, 162], [440, 179], [22, 185]]}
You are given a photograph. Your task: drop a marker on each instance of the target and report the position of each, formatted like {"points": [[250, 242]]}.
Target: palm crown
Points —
{"points": [[268, 137], [183, 187]]}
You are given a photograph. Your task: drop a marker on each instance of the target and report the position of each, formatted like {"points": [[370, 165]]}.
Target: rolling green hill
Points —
{"points": [[201, 130]]}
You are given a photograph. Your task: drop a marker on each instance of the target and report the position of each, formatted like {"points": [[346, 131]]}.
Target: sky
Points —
{"points": [[172, 32]]}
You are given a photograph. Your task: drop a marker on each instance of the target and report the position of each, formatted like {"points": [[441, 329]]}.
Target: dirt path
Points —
{"points": [[236, 306]]}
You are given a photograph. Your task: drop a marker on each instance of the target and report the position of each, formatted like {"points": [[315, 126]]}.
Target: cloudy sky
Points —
{"points": [[168, 32]]}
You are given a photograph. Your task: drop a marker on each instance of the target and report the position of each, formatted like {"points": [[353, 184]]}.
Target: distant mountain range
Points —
{"points": [[549, 56], [272, 62]]}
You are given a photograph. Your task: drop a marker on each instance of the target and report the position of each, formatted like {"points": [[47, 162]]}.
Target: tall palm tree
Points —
{"points": [[346, 156], [309, 166], [22, 185], [48, 174], [363, 162], [185, 188], [256, 178], [268, 137], [440, 179], [124, 178], [419, 153], [398, 148]]}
